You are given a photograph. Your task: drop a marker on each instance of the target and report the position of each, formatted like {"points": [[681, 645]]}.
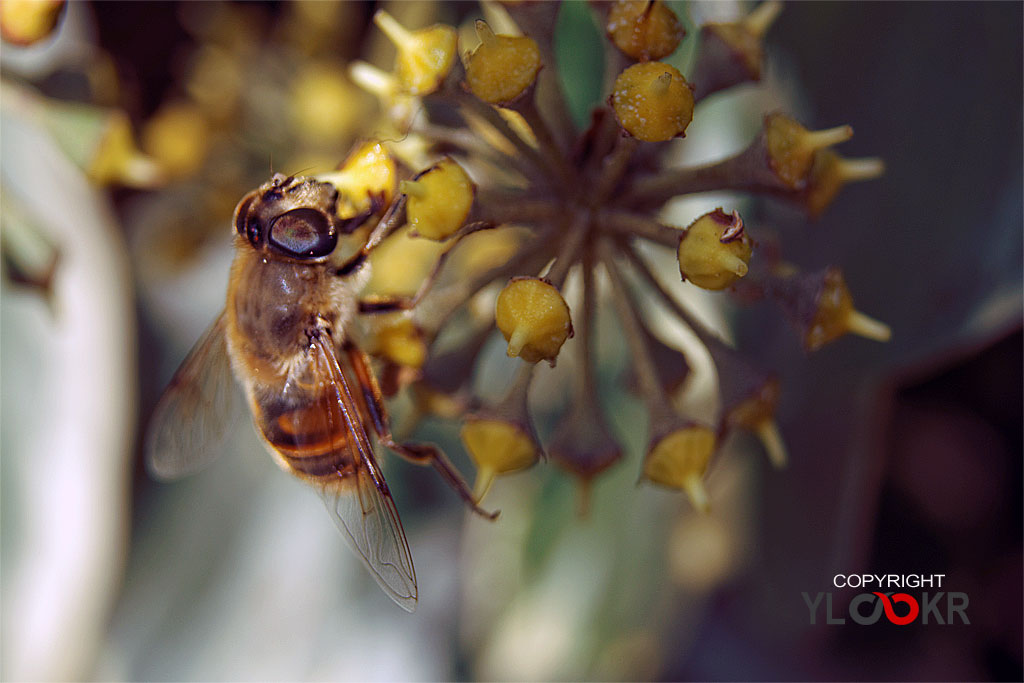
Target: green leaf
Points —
{"points": [[578, 48]]}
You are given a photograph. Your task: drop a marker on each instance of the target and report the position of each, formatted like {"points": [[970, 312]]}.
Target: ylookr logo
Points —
{"points": [[935, 607]]}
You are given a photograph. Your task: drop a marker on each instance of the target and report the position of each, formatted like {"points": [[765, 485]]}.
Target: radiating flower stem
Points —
{"points": [[733, 173], [643, 365], [627, 223], [527, 107], [706, 336], [515, 208], [570, 249], [614, 166], [495, 120]]}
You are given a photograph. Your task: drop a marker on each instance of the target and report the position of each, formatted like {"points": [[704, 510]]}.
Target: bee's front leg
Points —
{"points": [[420, 454], [391, 304]]}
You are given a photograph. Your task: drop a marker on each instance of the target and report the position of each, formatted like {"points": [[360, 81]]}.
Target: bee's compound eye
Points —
{"points": [[303, 232]]}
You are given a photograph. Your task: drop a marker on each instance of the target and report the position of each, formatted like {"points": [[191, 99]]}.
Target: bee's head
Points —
{"points": [[291, 217]]}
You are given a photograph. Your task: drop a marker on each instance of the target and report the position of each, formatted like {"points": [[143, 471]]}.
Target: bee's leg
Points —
{"points": [[420, 454], [391, 304], [428, 454], [393, 219], [388, 304]]}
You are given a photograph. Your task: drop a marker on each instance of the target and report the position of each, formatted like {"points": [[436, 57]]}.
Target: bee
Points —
{"points": [[288, 334]]}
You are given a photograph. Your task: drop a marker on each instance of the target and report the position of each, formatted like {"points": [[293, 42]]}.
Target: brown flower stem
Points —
{"points": [[551, 102], [601, 138], [628, 224], [569, 250], [643, 365], [747, 171], [515, 402], [458, 137], [552, 150], [514, 208], [706, 336], [451, 370], [584, 382], [748, 393], [470, 144], [733, 53], [582, 444], [656, 190], [513, 409], [614, 166], [495, 120], [526, 260]]}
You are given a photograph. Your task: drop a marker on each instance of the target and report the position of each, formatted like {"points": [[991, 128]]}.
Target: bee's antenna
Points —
{"points": [[412, 123]]}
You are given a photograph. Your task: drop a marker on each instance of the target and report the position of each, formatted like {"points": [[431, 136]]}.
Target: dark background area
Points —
{"points": [[923, 474]]}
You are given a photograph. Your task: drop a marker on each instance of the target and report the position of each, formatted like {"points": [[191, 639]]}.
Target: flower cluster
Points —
{"points": [[550, 211]]}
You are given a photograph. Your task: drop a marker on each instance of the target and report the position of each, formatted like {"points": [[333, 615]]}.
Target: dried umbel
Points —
{"points": [[514, 202]]}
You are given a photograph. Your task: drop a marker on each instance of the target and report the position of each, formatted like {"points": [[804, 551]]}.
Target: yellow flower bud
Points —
{"points": [[756, 413], [23, 22], [439, 200], [400, 106], [680, 459], [497, 446], [791, 147], [425, 56], [714, 251], [177, 137], [502, 67], [400, 341], [216, 81], [653, 101], [324, 105], [644, 30], [835, 315], [429, 401], [744, 36], [481, 251], [755, 408], [368, 171], [831, 172], [582, 444], [534, 318], [117, 160], [400, 264]]}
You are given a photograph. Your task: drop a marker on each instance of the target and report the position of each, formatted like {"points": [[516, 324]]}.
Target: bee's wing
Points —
{"points": [[193, 416], [359, 500]]}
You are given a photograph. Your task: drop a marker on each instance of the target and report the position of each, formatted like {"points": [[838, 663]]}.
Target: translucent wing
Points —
{"points": [[196, 411], [357, 496]]}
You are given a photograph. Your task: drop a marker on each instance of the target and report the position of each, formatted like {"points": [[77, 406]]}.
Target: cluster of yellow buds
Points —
{"points": [[565, 211]]}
